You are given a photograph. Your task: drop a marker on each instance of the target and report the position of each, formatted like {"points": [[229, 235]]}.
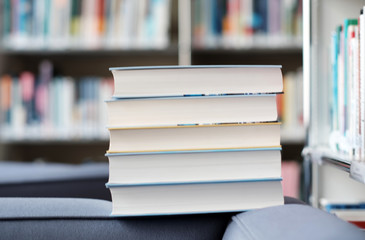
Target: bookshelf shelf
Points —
{"points": [[287, 137], [253, 44], [250, 49], [293, 136], [325, 155], [333, 165], [171, 51], [356, 169], [290, 57], [55, 141]]}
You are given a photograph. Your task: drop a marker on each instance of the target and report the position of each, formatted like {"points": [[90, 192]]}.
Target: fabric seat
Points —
{"points": [[294, 221], [70, 218], [21, 179]]}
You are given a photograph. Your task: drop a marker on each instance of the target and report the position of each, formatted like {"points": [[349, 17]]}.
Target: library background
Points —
{"points": [[54, 77]]}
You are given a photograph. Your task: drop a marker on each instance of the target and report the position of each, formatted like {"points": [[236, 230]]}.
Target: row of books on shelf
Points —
{"points": [[197, 139], [290, 104], [348, 88], [61, 107], [57, 108], [247, 23], [352, 212], [89, 24]]}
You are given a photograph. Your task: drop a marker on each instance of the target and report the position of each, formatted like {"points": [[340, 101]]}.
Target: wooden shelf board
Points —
{"points": [[172, 50]]}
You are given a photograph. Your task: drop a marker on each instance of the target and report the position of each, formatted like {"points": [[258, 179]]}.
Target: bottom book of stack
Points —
{"points": [[192, 182]]}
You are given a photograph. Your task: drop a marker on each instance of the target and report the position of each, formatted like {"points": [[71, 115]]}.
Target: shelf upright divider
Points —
{"points": [[184, 32]]}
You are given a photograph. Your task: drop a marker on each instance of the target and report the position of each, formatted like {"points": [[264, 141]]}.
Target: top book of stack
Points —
{"points": [[174, 81]]}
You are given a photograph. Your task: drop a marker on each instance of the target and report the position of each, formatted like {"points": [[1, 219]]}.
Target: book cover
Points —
{"points": [[193, 137], [195, 198], [160, 81], [194, 165]]}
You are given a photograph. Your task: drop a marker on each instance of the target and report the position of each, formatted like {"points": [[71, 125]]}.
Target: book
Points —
{"points": [[292, 101], [348, 23], [5, 99], [188, 110], [361, 71], [194, 166], [352, 212], [134, 82], [290, 172], [27, 83], [194, 198], [194, 137], [354, 216], [334, 63]]}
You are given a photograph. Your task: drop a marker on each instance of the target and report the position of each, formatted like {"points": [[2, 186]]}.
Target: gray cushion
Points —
{"points": [[22, 172], [66, 218], [38, 208], [19, 179], [291, 221]]}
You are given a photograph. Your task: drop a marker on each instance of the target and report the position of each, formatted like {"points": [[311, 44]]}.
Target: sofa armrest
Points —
{"points": [[293, 221], [70, 218]]}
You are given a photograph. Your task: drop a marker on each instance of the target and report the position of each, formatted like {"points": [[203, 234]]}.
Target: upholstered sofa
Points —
{"points": [[60, 201]]}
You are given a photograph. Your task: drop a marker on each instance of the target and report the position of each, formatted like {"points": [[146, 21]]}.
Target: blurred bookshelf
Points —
{"points": [[82, 39], [333, 83], [87, 25], [246, 24]]}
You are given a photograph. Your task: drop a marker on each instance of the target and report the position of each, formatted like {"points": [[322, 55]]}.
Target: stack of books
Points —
{"points": [[194, 139]]}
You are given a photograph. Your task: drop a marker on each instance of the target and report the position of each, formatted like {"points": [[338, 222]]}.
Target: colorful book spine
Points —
{"points": [[290, 104], [347, 89], [362, 83]]}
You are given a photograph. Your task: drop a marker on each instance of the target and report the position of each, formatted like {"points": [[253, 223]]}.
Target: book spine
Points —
{"points": [[362, 84], [347, 31], [290, 104], [6, 21], [354, 92], [5, 103]]}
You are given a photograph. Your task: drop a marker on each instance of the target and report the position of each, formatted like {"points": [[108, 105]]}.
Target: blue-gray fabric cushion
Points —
{"points": [[291, 221], [67, 218], [73, 218], [19, 179], [37, 208], [21, 172]]}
